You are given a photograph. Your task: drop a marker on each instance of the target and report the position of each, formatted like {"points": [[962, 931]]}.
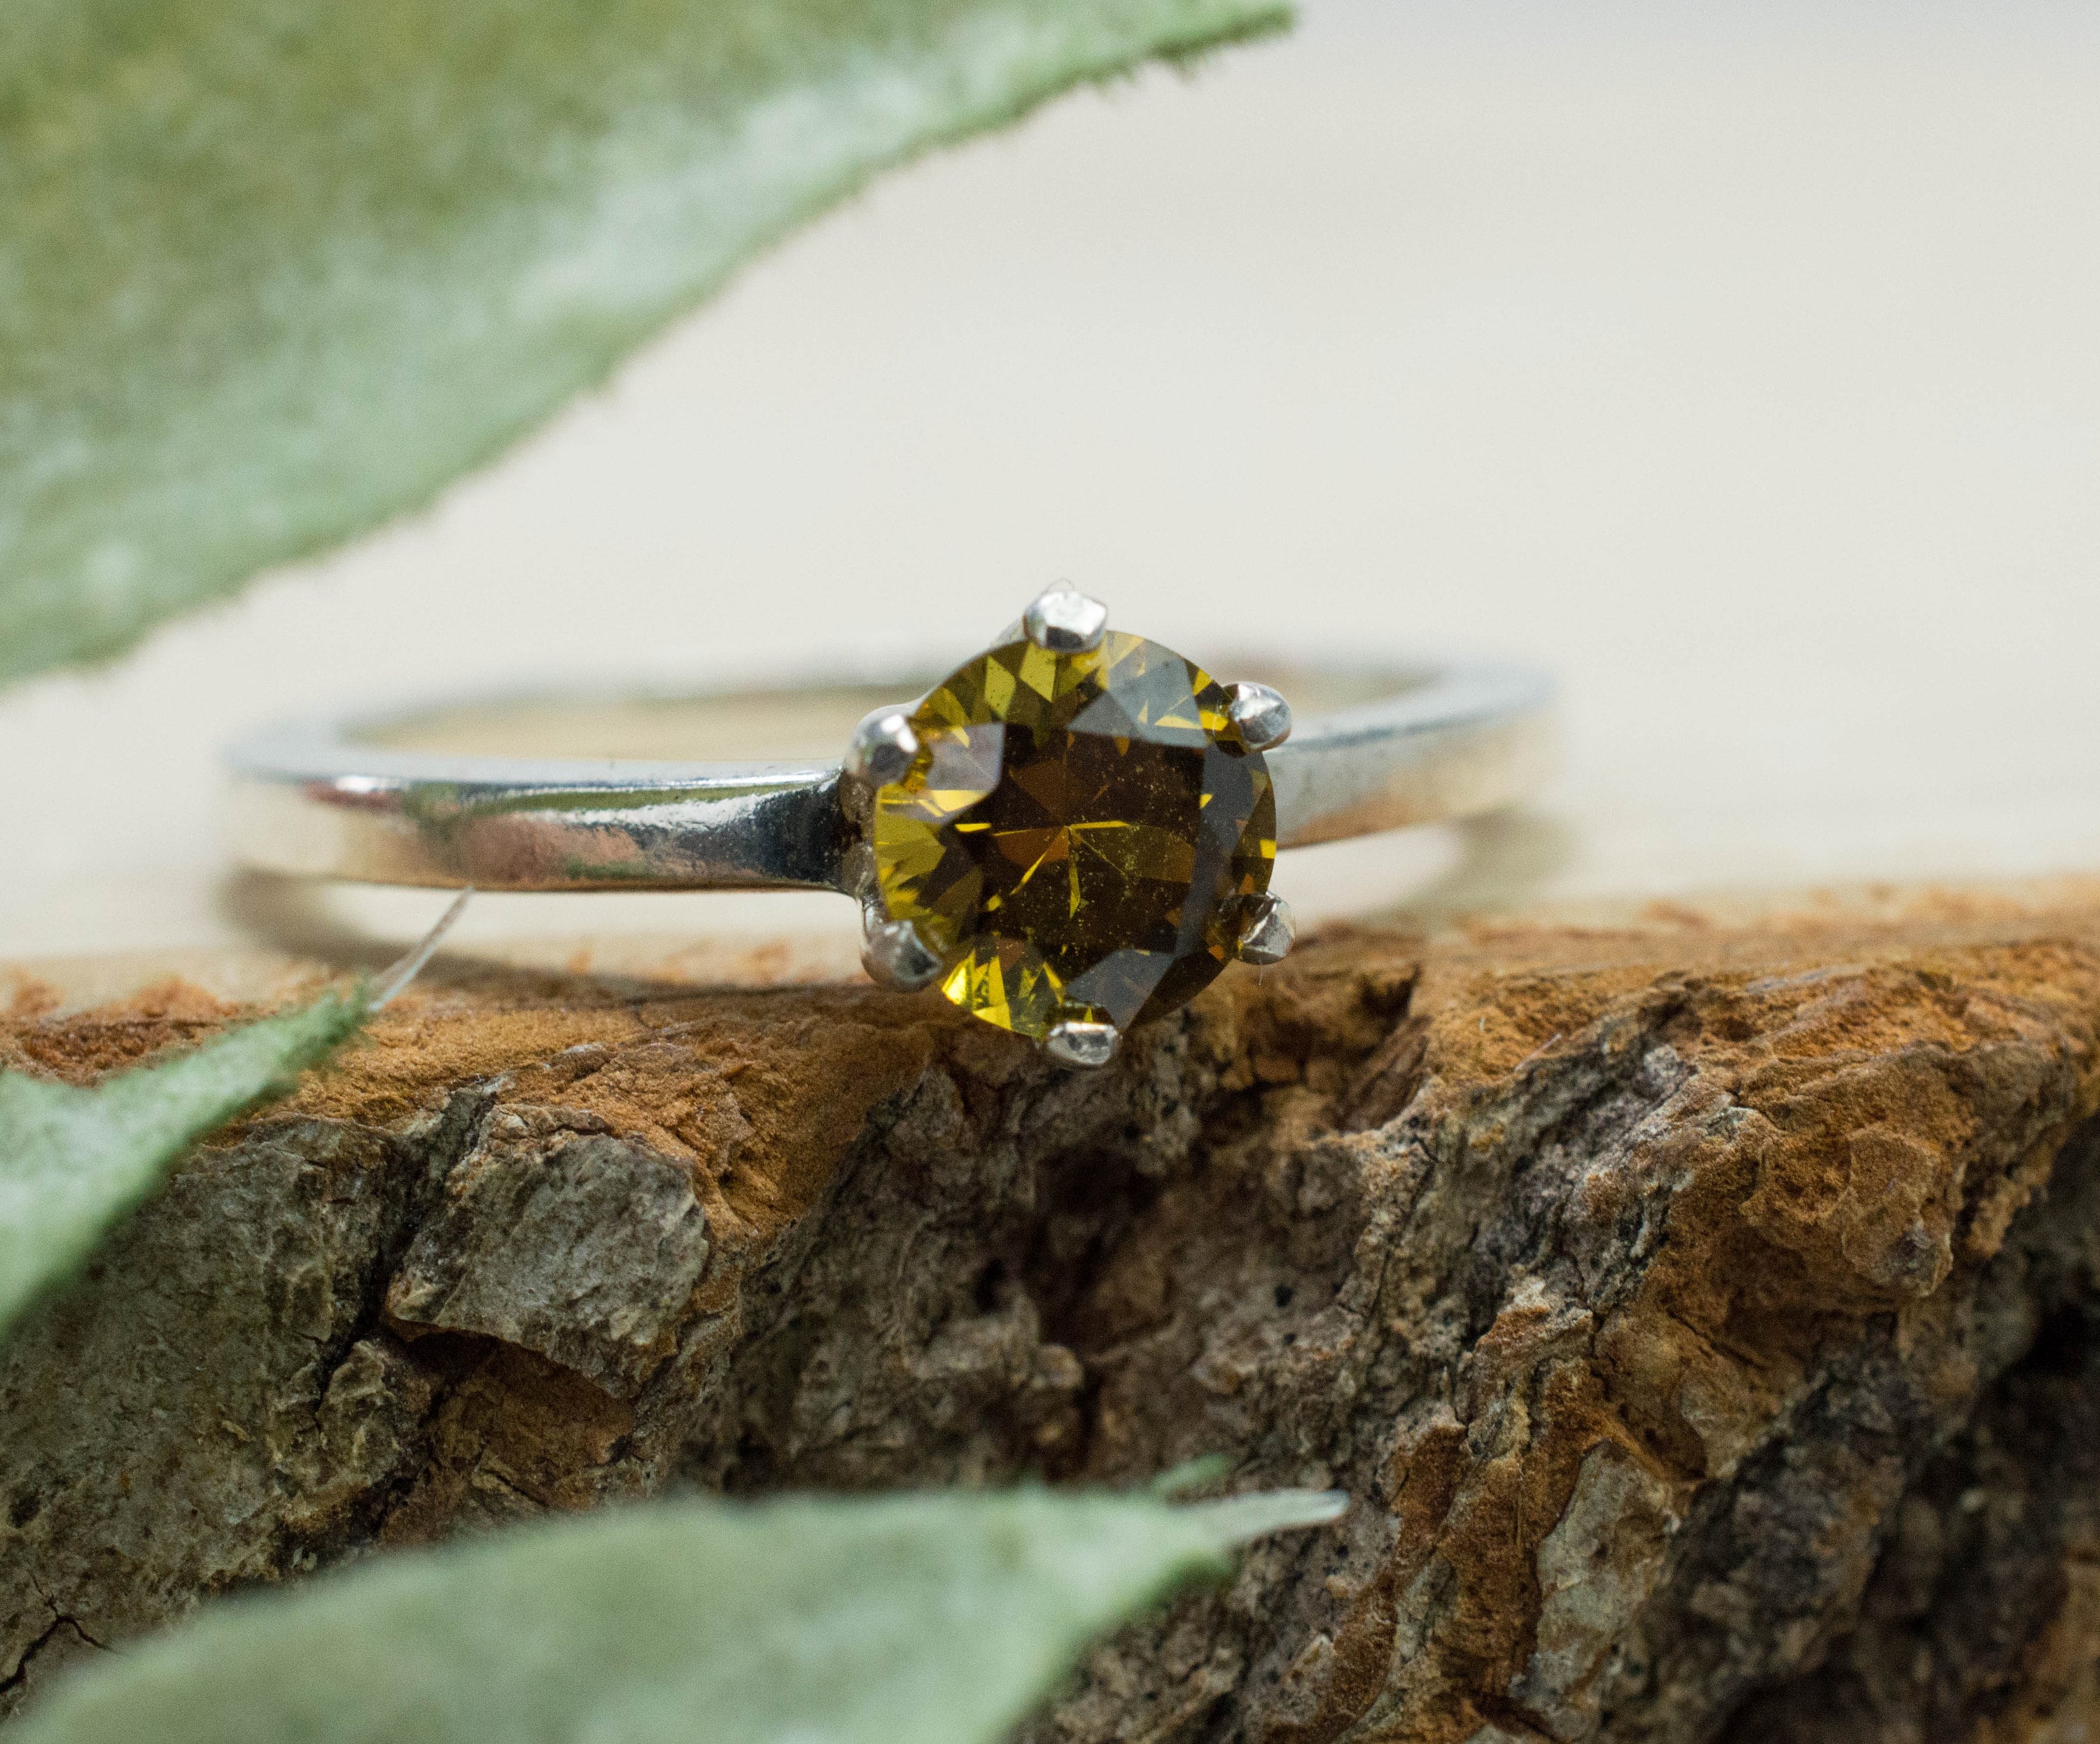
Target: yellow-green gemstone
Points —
{"points": [[1077, 832]]}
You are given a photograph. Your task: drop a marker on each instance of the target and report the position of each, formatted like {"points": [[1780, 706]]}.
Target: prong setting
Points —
{"points": [[1260, 715], [896, 955], [1268, 929], [882, 748], [1049, 739], [1063, 620], [1076, 1042]]}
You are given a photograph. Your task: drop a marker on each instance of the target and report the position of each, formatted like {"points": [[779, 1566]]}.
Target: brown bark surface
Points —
{"points": [[1702, 1319]]}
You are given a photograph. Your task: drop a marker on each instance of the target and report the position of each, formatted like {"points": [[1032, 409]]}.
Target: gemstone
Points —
{"points": [[1078, 834]]}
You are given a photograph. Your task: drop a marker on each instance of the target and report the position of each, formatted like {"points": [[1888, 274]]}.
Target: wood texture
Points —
{"points": [[1701, 1318]]}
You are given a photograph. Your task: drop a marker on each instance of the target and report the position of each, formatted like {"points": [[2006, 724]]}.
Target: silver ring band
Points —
{"points": [[379, 800]]}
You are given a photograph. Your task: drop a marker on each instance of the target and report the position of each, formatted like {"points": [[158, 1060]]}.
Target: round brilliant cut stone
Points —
{"points": [[1077, 834]]}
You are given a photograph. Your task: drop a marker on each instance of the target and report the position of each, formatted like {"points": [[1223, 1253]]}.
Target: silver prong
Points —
{"points": [[1074, 1043], [1267, 929], [1261, 715], [882, 747], [1065, 621], [896, 955]]}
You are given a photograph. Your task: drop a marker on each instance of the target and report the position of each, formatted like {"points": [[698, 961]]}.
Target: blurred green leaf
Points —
{"points": [[74, 1161], [273, 271], [934, 1619]]}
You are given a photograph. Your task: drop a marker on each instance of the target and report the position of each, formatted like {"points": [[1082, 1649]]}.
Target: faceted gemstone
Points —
{"points": [[1077, 833]]}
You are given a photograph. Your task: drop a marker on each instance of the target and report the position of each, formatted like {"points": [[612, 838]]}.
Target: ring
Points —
{"points": [[1069, 834]]}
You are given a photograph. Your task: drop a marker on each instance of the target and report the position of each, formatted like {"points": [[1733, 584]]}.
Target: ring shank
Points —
{"points": [[424, 797]]}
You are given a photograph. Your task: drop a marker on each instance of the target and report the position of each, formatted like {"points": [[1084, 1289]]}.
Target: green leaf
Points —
{"points": [[74, 1161], [937, 1619], [273, 271]]}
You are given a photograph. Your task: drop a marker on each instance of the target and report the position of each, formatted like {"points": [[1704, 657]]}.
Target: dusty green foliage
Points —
{"points": [[74, 1161], [272, 272], [940, 1618]]}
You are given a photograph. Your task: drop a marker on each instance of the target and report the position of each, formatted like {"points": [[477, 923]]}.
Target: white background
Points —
{"points": [[1742, 364]]}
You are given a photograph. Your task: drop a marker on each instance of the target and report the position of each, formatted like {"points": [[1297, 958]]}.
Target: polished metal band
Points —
{"points": [[425, 797]]}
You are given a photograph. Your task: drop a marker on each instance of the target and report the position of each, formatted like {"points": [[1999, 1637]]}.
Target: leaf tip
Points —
{"points": [[1241, 1519], [396, 980]]}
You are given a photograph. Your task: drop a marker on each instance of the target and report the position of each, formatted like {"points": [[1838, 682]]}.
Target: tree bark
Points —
{"points": [[1701, 1319]]}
